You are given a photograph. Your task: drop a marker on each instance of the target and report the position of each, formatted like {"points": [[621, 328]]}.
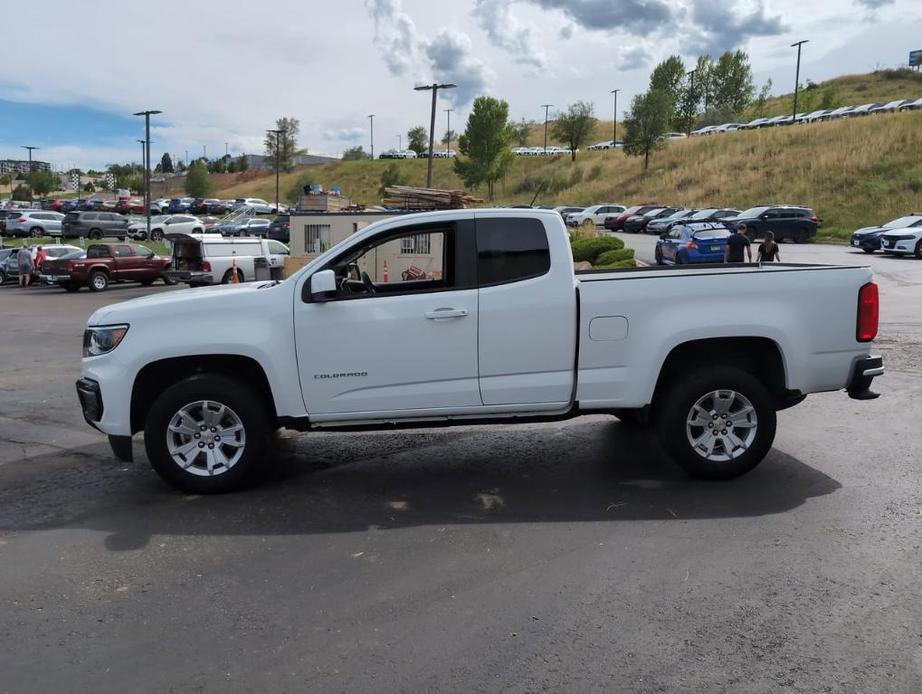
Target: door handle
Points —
{"points": [[442, 313]]}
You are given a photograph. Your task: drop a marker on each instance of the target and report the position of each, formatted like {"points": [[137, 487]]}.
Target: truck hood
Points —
{"points": [[196, 304]]}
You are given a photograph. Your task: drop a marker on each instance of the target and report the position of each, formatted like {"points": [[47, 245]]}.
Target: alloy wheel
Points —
{"points": [[721, 425]]}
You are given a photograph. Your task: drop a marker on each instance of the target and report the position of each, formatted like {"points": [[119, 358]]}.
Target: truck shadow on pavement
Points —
{"points": [[586, 471]]}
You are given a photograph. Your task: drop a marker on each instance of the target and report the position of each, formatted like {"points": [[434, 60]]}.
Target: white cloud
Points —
{"points": [[506, 32]]}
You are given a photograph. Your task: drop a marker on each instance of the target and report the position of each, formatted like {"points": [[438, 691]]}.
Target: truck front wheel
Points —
{"points": [[208, 434], [717, 422]]}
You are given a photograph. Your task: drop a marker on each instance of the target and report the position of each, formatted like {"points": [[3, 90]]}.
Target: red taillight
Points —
{"points": [[815, 218], [868, 312], [691, 246], [22, 220], [206, 266]]}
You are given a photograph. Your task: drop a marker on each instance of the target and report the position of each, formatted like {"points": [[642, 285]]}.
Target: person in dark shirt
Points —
{"points": [[735, 245], [769, 252]]}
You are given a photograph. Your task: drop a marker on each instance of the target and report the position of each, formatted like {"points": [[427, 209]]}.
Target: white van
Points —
{"points": [[200, 259]]}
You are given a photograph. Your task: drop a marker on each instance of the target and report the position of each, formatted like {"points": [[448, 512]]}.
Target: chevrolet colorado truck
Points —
{"points": [[491, 325]]}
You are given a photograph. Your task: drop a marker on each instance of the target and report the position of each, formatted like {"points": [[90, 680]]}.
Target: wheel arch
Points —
{"points": [[759, 356], [157, 376]]}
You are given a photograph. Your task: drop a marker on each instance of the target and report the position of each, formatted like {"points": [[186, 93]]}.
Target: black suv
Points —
{"points": [[94, 225], [280, 229], [799, 224]]}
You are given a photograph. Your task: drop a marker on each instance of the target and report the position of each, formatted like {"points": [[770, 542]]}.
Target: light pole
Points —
{"points": [[399, 142], [186, 162], [30, 148], [691, 91], [448, 130], [434, 87], [545, 107], [614, 130], [225, 150], [797, 78], [147, 115], [371, 120], [204, 153], [277, 166], [144, 164]]}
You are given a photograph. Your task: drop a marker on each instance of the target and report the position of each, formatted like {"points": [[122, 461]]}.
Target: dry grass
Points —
{"points": [[852, 172]]}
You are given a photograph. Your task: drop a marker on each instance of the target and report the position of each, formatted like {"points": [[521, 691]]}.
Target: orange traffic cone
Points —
{"points": [[385, 272], [235, 278]]}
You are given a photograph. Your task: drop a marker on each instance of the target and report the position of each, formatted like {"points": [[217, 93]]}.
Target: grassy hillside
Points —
{"points": [[853, 173]]}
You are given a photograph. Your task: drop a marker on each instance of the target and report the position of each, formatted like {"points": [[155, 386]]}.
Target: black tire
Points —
{"points": [[146, 283], [36, 232], [868, 250], [70, 287], [3, 277], [99, 281], [678, 259], [801, 236], [229, 274], [674, 405], [95, 234], [249, 408], [658, 257], [168, 281], [196, 230], [121, 238], [918, 252], [156, 235]]}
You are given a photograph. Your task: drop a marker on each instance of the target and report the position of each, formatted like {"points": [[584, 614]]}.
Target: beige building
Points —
{"points": [[312, 233]]}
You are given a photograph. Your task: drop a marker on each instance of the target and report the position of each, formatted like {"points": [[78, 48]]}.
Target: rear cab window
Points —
{"points": [[97, 252], [511, 250]]}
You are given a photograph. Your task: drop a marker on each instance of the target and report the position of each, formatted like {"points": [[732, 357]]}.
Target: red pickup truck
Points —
{"points": [[105, 263]]}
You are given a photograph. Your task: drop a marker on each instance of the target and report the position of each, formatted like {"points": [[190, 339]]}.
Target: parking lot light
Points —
{"points": [[434, 87], [545, 107], [277, 166], [147, 115], [797, 78], [371, 121], [614, 131], [30, 148]]}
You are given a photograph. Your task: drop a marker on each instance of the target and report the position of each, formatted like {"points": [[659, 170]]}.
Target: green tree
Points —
{"points": [[831, 97], [669, 77], [449, 137], [198, 181], [392, 176], [759, 106], [166, 163], [485, 144], [355, 154], [88, 187], [520, 132], [287, 144], [21, 192], [645, 124], [574, 126], [730, 83], [7, 180], [243, 163], [43, 182], [418, 139]]}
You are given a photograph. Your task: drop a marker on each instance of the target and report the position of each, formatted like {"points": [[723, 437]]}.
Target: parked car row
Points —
{"points": [[823, 114], [550, 150], [900, 236], [9, 266]]}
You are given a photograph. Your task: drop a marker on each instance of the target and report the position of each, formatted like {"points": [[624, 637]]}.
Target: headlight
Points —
{"points": [[102, 339]]}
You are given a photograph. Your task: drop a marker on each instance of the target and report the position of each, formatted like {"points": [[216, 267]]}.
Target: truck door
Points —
{"points": [[527, 342], [127, 264], [399, 338]]}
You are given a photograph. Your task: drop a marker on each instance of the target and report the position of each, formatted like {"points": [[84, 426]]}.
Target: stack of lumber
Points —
{"points": [[410, 198], [325, 203]]}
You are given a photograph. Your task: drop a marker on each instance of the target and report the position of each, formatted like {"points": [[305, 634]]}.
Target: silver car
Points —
{"points": [[34, 223]]}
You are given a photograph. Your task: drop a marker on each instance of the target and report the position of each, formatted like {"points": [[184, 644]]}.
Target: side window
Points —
{"points": [[90, 217], [509, 250], [145, 252], [97, 252], [277, 248], [123, 252], [676, 232], [408, 258]]}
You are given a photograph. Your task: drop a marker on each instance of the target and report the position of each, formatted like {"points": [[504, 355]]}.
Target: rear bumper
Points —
{"points": [[54, 278], [190, 276], [864, 372]]}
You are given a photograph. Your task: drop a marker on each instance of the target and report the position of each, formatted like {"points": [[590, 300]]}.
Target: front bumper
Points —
{"points": [[862, 242], [864, 372], [90, 397]]}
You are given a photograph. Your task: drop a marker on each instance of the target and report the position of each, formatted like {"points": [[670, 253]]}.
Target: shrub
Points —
{"points": [[576, 176], [612, 257], [620, 265], [590, 249], [594, 172], [551, 183]]}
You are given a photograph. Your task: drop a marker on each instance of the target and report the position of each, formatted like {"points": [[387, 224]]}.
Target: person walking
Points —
{"points": [[41, 255], [769, 251], [735, 245], [24, 261]]}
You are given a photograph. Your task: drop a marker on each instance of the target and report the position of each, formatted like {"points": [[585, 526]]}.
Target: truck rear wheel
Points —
{"points": [[208, 434], [717, 422]]}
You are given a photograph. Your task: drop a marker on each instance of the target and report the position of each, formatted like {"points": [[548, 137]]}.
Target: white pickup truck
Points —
{"points": [[491, 325]]}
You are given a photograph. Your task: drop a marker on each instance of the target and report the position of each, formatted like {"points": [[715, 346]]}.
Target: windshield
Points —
{"points": [[703, 214], [903, 222], [753, 212], [654, 211]]}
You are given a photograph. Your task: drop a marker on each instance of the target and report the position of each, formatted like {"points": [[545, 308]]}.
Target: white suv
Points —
{"points": [[597, 214], [258, 205]]}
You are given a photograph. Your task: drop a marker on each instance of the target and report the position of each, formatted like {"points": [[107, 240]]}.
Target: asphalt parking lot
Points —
{"points": [[564, 557]]}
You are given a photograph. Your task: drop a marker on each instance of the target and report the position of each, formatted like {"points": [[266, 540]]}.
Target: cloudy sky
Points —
{"points": [[223, 70]]}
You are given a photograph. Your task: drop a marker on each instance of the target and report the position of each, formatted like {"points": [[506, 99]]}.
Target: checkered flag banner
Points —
{"points": [[110, 180], [75, 180]]}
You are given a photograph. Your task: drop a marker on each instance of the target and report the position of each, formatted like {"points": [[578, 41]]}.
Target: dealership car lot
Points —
{"points": [[534, 557]]}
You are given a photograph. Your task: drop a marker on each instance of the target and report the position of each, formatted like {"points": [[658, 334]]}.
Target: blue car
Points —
{"points": [[180, 205], [699, 242], [868, 239]]}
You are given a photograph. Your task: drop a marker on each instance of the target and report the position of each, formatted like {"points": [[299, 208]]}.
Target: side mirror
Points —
{"points": [[323, 285], [664, 236]]}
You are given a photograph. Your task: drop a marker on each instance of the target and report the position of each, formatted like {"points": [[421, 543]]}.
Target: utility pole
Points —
{"points": [[225, 150], [277, 166], [147, 115], [448, 130], [691, 91], [614, 130], [144, 166], [797, 77], [371, 119], [545, 107], [30, 148], [434, 87], [399, 142], [204, 153]]}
